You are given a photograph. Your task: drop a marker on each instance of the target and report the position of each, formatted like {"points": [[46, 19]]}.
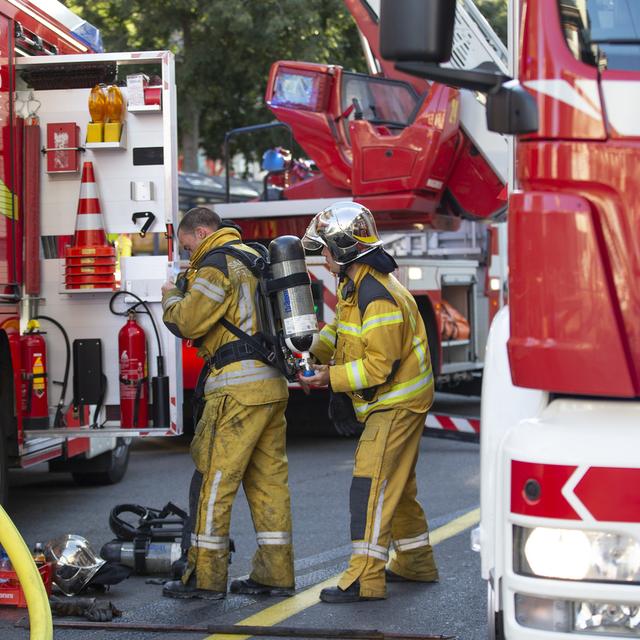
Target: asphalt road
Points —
{"points": [[45, 505]]}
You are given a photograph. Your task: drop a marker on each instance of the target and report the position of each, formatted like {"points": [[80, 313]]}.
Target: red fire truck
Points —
{"points": [[418, 155], [560, 494], [68, 177]]}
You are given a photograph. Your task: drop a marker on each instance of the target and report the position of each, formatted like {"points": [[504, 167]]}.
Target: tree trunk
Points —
{"points": [[190, 116], [190, 133]]}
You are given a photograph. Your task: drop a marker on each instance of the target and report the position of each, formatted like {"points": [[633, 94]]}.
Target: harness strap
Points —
{"points": [[288, 282], [234, 352], [266, 355], [197, 403], [140, 544], [255, 264], [256, 347]]}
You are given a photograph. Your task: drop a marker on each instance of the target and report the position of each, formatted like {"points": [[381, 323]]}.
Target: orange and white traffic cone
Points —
{"points": [[90, 247]]}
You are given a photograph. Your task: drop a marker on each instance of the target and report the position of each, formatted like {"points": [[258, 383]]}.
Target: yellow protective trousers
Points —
{"points": [[384, 507], [233, 444]]}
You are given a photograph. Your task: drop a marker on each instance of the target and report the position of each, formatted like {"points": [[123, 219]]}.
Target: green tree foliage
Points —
{"points": [[224, 49], [495, 11]]}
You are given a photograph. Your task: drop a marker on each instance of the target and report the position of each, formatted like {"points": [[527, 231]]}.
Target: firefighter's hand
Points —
{"points": [[320, 377], [303, 384], [167, 286]]}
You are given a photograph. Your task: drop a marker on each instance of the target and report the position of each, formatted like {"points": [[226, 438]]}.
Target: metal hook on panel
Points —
{"points": [[145, 227]]}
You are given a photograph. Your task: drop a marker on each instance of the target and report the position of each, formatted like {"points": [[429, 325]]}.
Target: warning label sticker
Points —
{"points": [[301, 324]]}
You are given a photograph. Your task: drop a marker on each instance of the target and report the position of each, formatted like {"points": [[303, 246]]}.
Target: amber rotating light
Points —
{"points": [[115, 114], [97, 109]]}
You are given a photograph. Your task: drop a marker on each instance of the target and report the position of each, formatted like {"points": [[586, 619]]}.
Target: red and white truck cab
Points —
{"points": [[560, 490], [413, 153]]}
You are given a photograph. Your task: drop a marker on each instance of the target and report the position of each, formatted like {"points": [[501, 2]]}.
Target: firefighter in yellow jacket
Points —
{"points": [[240, 437], [379, 357]]}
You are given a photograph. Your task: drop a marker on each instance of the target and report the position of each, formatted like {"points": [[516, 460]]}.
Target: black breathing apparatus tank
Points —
{"points": [[294, 300]]}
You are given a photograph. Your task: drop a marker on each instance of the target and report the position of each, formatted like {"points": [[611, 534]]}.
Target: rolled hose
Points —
{"points": [[40, 621]]}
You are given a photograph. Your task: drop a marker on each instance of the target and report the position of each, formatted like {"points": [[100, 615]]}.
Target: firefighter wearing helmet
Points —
{"points": [[240, 436], [378, 348]]}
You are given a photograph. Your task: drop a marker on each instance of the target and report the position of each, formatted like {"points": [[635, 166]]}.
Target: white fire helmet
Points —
{"points": [[74, 562], [347, 229]]}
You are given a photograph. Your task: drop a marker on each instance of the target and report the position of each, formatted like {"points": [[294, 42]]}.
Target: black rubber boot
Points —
{"points": [[252, 588], [179, 566], [177, 589], [336, 595]]}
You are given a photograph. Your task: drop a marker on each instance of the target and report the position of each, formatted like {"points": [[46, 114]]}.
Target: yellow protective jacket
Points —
{"points": [[379, 344], [227, 290]]}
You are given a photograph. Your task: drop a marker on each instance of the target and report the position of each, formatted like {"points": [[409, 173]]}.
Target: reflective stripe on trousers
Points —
{"points": [[406, 544], [210, 542], [234, 444], [384, 506], [273, 537], [250, 372]]}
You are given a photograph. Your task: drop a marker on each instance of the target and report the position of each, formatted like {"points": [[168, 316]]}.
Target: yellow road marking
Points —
{"points": [[286, 608]]}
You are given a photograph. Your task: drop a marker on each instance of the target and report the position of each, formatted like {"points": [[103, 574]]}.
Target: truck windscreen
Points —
{"points": [[603, 33]]}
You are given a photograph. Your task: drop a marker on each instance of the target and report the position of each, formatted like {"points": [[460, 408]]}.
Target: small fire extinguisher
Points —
{"points": [[33, 357], [134, 381]]}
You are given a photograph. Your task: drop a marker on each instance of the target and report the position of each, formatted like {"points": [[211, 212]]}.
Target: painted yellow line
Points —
{"points": [[305, 599], [454, 527]]}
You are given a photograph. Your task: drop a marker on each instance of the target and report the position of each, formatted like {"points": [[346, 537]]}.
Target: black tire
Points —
{"points": [[495, 625], [8, 445], [4, 471], [110, 466]]}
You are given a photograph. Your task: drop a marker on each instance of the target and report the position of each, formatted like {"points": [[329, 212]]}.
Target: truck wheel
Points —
{"points": [[495, 628], [4, 471], [110, 467], [7, 419]]}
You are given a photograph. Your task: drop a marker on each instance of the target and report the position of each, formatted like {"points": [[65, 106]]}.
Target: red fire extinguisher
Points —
{"points": [[33, 356], [134, 381]]}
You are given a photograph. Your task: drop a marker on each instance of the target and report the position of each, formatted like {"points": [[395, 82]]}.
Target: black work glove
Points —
{"points": [[343, 416], [91, 608], [101, 612], [69, 606], [181, 282]]}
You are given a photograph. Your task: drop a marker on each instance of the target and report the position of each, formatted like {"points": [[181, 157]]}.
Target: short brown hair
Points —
{"points": [[199, 217]]}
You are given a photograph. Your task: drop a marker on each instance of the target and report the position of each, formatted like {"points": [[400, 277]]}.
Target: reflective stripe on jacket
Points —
{"points": [[379, 344], [212, 294]]}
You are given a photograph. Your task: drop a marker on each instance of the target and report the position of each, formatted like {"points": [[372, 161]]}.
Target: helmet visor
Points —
{"points": [[311, 240], [347, 229], [74, 561]]}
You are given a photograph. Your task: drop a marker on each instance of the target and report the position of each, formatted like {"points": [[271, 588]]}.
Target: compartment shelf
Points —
{"points": [[105, 145], [144, 108], [455, 343], [109, 431], [121, 144], [85, 291]]}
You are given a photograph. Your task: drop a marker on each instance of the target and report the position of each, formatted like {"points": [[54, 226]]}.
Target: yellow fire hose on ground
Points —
{"points": [[35, 594]]}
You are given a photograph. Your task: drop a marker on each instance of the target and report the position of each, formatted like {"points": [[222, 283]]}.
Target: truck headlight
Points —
{"points": [[572, 554], [567, 616], [606, 617]]}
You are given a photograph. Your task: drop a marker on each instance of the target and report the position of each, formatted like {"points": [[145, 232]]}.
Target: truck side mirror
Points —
{"points": [[512, 110], [417, 30]]}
